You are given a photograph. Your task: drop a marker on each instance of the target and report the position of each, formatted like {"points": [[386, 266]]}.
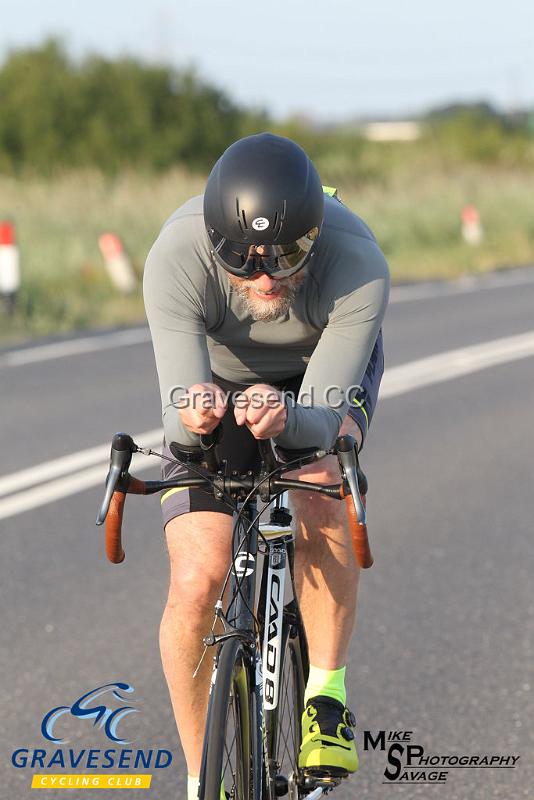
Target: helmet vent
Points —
{"points": [[278, 220], [242, 225], [277, 224]]}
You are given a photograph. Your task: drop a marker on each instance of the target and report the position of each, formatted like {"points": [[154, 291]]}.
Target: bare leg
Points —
{"points": [[199, 546], [326, 573]]}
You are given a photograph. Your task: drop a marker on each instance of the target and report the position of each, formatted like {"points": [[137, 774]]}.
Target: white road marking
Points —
{"points": [[74, 347], [469, 283], [65, 465], [63, 487], [455, 363], [397, 381]]}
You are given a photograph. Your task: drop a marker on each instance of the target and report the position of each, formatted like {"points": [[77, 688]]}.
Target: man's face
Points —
{"points": [[264, 298]]}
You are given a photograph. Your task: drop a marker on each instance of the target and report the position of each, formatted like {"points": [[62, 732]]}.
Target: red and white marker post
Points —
{"points": [[9, 265], [117, 262], [471, 226]]}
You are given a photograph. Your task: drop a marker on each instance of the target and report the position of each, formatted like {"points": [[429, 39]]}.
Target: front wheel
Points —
{"points": [[228, 752]]}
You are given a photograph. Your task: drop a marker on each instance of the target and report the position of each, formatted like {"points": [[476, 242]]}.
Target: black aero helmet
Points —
{"points": [[263, 207]]}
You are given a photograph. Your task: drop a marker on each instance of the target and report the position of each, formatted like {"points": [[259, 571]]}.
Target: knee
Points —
{"points": [[310, 505], [324, 471], [199, 555], [194, 589], [318, 517]]}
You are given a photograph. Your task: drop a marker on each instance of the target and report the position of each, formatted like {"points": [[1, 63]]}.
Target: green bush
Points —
{"points": [[110, 114]]}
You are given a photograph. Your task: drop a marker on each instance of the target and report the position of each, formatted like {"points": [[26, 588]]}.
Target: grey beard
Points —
{"points": [[262, 311]]}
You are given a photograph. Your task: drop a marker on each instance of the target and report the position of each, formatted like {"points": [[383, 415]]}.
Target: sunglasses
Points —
{"points": [[277, 260]]}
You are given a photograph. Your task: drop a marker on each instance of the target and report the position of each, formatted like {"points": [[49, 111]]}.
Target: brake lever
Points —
{"points": [[208, 443], [348, 460], [267, 455], [122, 448]]}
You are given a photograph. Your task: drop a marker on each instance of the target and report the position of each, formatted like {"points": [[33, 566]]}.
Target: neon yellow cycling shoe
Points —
{"points": [[327, 738]]}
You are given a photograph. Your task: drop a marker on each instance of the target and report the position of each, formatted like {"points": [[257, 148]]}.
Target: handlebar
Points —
{"points": [[119, 482], [122, 448], [354, 484]]}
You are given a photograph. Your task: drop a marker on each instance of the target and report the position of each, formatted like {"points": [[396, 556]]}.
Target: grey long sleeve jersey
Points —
{"points": [[200, 326]]}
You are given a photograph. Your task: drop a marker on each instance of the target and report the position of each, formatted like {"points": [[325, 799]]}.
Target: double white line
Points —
{"points": [[64, 476]]}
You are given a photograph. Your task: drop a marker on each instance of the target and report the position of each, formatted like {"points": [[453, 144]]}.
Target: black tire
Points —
{"points": [[283, 724], [228, 747]]}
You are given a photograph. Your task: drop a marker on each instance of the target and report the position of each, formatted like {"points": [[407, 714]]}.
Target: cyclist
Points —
{"points": [[271, 287]]}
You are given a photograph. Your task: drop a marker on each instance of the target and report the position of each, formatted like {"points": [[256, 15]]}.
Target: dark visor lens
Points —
{"points": [[278, 260]]}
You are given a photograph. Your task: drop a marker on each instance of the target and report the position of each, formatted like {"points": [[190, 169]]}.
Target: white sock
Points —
{"points": [[192, 787]]}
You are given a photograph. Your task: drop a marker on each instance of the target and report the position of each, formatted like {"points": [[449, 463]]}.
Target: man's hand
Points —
{"points": [[262, 409], [206, 406]]}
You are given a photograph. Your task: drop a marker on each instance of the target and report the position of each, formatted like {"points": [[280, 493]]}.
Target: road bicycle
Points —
{"points": [[260, 662]]}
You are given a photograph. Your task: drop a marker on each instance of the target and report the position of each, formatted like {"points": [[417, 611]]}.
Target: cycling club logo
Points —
{"points": [[90, 707]]}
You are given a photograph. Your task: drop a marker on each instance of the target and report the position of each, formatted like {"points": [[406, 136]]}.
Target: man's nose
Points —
{"points": [[263, 281]]}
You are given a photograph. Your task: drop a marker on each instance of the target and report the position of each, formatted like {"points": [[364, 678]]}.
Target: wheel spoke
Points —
{"points": [[288, 730], [232, 750]]}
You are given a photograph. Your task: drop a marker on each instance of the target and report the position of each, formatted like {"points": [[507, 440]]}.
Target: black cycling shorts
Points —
{"points": [[239, 447]]}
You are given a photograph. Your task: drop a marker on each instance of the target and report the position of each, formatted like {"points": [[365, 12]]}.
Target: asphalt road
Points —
{"points": [[444, 642]]}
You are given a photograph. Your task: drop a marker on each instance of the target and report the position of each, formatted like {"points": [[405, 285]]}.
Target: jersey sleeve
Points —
{"points": [[175, 309], [356, 295]]}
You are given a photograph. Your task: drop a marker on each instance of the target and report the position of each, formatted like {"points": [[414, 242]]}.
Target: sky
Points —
{"points": [[326, 60]]}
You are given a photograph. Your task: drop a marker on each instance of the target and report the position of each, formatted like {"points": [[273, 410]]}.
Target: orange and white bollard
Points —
{"points": [[117, 262], [9, 264], [471, 226]]}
